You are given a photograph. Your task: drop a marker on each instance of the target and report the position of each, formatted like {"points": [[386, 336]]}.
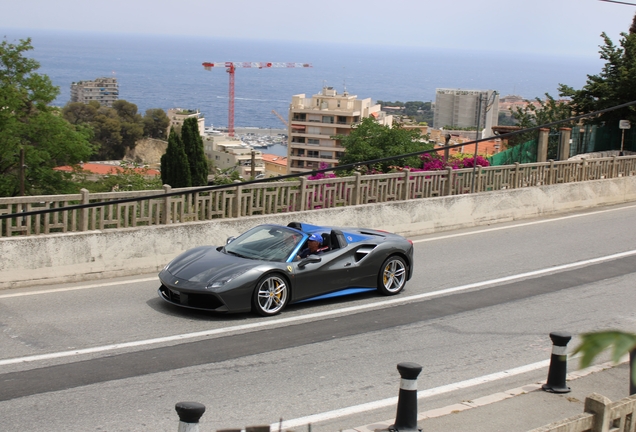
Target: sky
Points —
{"points": [[561, 27]]}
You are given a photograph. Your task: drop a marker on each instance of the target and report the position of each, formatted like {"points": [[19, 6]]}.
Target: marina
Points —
{"points": [[266, 140]]}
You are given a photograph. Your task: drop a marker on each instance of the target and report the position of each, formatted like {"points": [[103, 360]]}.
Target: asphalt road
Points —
{"points": [[112, 356]]}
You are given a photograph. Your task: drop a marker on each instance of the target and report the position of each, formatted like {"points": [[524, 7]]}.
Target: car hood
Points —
{"points": [[205, 264]]}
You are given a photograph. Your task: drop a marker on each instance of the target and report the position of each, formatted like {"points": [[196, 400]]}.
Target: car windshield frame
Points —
{"points": [[274, 243]]}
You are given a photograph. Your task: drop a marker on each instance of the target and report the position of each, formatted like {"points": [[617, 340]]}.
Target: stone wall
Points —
{"points": [[148, 151]]}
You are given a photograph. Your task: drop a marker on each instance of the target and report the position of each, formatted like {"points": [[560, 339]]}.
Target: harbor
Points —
{"points": [[266, 140]]}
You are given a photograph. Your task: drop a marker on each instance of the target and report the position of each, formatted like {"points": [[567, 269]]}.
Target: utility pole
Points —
{"points": [[22, 172]]}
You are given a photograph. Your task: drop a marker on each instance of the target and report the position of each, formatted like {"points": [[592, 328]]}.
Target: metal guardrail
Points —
{"points": [[46, 214]]}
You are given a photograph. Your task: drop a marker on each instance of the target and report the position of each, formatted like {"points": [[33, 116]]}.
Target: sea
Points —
{"points": [[158, 71]]}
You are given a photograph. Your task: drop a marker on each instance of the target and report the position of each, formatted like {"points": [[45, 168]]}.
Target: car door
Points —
{"points": [[330, 274]]}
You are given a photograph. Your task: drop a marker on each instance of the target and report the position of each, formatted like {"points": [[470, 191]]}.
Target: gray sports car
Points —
{"points": [[262, 270]]}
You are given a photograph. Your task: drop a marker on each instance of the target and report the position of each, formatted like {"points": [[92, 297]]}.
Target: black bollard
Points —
{"points": [[406, 417], [189, 415], [558, 364]]}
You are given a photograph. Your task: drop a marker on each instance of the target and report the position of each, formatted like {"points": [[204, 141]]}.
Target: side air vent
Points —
{"points": [[371, 233], [363, 252]]}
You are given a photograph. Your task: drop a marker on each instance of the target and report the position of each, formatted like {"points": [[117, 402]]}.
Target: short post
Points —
{"points": [[632, 370], [406, 417], [189, 415], [558, 364], [564, 143], [542, 145]]}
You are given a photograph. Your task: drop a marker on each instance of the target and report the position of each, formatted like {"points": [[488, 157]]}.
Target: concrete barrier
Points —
{"points": [[57, 258]]}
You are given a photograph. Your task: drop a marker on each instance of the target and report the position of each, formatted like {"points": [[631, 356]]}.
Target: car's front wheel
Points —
{"points": [[271, 295], [392, 276]]}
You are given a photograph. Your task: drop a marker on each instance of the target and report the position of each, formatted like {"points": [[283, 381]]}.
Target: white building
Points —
{"points": [[226, 152], [103, 90], [457, 108], [178, 115], [314, 121]]}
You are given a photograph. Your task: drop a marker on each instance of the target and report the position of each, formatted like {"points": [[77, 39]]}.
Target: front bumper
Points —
{"points": [[191, 299]]}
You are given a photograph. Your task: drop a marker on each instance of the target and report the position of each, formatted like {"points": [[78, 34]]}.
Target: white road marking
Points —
{"points": [[317, 315], [392, 401], [369, 406], [75, 288]]}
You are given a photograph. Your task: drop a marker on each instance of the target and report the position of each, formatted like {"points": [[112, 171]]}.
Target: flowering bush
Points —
{"points": [[320, 176], [434, 162]]}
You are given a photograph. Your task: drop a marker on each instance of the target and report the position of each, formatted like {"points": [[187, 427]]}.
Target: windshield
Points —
{"points": [[266, 242]]}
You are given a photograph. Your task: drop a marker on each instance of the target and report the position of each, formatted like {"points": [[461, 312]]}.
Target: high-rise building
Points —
{"points": [[314, 121], [103, 90], [457, 108]]}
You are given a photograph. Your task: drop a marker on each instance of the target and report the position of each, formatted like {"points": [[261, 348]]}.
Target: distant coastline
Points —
{"points": [[166, 72]]}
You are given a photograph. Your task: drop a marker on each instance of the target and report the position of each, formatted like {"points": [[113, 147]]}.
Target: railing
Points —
{"points": [[601, 415], [271, 197]]}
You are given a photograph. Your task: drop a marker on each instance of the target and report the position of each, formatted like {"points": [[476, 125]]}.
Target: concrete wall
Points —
{"points": [[90, 255]]}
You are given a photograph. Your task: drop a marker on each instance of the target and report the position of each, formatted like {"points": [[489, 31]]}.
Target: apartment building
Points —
{"points": [[228, 152], [313, 123], [178, 115], [103, 90], [457, 108]]}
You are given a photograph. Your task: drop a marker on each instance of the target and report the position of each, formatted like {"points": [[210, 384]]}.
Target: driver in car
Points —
{"points": [[313, 243]]}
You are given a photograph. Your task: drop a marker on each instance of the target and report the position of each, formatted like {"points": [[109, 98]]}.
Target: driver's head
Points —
{"points": [[314, 241]]}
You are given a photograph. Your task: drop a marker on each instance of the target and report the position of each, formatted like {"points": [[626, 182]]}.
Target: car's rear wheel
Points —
{"points": [[392, 276], [271, 295]]}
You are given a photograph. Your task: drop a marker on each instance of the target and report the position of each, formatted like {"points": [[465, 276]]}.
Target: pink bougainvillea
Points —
{"points": [[320, 176], [433, 162]]}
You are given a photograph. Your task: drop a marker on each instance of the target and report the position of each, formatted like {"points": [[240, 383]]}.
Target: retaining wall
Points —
{"points": [[56, 258]]}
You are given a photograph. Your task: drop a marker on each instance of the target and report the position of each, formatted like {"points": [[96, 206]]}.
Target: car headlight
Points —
{"points": [[218, 283]]}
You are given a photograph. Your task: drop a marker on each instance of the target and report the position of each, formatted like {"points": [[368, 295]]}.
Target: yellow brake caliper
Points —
{"points": [[276, 293]]}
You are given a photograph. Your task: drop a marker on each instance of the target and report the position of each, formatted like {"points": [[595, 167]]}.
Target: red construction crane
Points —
{"points": [[231, 66]]}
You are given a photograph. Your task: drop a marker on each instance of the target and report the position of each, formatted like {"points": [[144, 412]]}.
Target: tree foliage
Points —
{"points": [[29, 126], [542, 112], [175, 169], [371, 140], [539, 113], [613, 86], [593, 344], [132, 125], [193, 145], [115, 129], [156, 123]]}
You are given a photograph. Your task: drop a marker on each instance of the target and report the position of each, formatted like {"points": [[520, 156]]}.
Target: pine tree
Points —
{"points": [[193, 145], [613, 86], [175, 170]]}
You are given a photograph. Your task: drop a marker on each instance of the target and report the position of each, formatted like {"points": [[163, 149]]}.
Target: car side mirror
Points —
{"points": [[311, 259], [229, 240]]}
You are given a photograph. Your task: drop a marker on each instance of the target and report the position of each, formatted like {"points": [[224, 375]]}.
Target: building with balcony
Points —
{"points": [[228, 152], [178, 115], [315, 121], [102, 90], [457, 108]]}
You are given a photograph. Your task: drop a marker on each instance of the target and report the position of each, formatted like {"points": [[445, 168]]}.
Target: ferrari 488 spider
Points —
{"points": [[261, 270]]}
